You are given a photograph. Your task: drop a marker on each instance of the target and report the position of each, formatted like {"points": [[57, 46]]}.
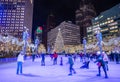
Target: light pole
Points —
{"points": [[84, 45], [25, 38], [99, 39], [36, 45]]}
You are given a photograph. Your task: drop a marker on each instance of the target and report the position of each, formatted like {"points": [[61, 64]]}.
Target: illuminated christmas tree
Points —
{"points": [[59, 43]]}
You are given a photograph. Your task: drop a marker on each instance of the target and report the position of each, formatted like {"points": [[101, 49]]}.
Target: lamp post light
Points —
{"points": [[36, 45], [25, 38], [84, 45], [99, 39]]}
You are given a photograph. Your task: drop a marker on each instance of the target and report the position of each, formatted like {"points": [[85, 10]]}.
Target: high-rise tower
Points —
{"points": [[50, 22], [14, 15], [84, 15], [50, 25]]}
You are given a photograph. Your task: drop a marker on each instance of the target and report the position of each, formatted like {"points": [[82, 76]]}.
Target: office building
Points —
{"points": [[70, 34], [109, 22], [14, 15]]}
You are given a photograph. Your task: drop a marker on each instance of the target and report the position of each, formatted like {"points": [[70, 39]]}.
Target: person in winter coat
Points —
{"points": [[71, 63], [55, 56], [20, 60], [101, 63], [43, 59], [105, 59]]}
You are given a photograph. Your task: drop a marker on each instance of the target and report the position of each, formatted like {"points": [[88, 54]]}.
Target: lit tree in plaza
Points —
{"points": [[59, 43]]}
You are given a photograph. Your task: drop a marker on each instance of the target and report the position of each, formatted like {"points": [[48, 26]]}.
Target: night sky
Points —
{"points": [[64, 9]]}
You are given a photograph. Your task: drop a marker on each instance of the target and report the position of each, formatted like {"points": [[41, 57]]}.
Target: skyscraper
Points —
{"points": [[84, 15], [14, 15], [50, 25], [50, 22]]}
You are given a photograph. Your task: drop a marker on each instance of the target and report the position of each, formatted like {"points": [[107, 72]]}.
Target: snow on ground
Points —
{"points": [[34, 72]]}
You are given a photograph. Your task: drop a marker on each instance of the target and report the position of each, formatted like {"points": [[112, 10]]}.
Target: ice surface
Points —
{"points": [[34, 72]]}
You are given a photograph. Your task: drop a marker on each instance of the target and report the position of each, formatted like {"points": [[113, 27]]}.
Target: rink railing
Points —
{"points": [[6, 60]]}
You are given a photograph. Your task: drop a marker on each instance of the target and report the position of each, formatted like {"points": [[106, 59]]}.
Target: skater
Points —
{"points": [[100, 64], [71, 63], [43, 59], [105, 59], [86, 63], [51, 56], [55, 56], [75, 56], [33, 54], [117, 56], [61, 61], [33, 57], [20, 61]]}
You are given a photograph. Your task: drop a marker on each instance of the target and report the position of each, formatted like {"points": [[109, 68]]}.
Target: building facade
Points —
{"points": [[14, 15], [108, 21], [90, 34], [70, 34], [50, 22], [84, 15]]}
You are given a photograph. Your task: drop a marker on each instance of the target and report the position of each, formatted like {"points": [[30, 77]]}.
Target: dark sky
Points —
{"points": [[64, 9]]}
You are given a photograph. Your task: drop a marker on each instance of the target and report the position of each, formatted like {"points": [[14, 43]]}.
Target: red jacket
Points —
{"points": [[55, 55]]}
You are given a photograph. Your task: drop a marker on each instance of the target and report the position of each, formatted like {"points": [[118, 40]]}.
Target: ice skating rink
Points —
{"points": [[34, 72]]}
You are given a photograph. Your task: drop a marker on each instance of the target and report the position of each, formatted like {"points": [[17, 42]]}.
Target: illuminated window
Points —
{"points": [[108, 18], [3, 21], [22, 13], [13, 16], [17, 16], [17, 19], [22, 8], [111, 20], [22, 16], [16, 24], [21, 24], [106, 22], [13, 11], [102, 23]]}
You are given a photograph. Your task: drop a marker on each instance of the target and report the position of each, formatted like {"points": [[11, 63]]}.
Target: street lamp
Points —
{"points": [[25, 38], [84, 45], [99, 39]]}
